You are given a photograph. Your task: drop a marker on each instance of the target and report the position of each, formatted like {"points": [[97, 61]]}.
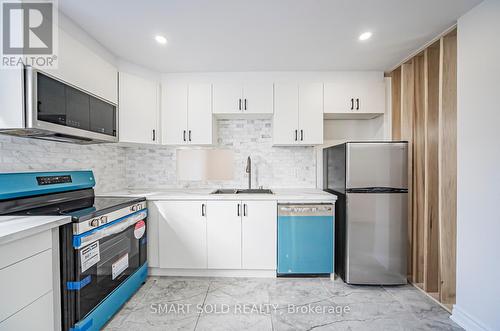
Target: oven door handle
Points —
{"points": [[117, 226]]}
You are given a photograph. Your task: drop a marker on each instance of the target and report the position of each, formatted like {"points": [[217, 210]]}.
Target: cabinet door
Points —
{"points": [[174, 113], [311, 113], [286, 114], [224, 234], [200, 114], [340, 96], [153, 230], [259, 235], [182, 234], [371, 98], [228, 98], [138, 109], [258, 98]]}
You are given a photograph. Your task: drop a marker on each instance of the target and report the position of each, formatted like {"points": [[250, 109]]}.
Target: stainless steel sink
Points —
{"points": [[242, 191]]}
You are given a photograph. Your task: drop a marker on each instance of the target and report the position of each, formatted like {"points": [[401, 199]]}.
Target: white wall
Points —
{"points": [[478, 223]]}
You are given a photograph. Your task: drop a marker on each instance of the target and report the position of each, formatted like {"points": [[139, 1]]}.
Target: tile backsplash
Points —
{"points": [[117, 167], [106, 160], [277, 167]]}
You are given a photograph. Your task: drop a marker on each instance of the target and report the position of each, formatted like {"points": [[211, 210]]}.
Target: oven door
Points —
{"points": [[102, 259]]}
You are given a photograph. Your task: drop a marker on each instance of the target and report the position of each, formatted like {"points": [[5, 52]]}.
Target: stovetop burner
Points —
{"points": [[81, 205]]}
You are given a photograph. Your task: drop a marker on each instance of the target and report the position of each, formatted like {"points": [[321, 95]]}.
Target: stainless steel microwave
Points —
{"points": [[57, 110]]}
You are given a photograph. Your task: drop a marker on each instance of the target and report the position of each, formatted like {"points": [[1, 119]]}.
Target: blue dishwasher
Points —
{"points": [[305, 239]]}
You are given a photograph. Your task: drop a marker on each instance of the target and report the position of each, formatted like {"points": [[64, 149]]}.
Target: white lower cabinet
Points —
{"points": [[258, 231], [221, 234], [37, 316], [29, 283], [182, 234], [224, 234]]}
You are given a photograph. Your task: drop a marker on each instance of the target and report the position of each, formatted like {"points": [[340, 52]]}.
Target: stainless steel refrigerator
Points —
{"points": [[371, 213]]}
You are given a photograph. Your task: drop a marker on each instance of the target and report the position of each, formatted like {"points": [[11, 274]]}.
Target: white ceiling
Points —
{"points": [[264, 35]]}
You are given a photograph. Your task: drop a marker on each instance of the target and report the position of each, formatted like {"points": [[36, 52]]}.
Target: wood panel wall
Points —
{"points": [[424, 113], [448, 167], [406, 131], [431, 239], [419, 129]]}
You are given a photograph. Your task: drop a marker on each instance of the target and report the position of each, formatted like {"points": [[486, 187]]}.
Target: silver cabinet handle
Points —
{"points": [[154, 134], [203, 210], [239, 107], [245, 104], [301, 135], [357, 104], [245, 209], [189, 135], [238, 212], [184, 135], [296, 135], [352, 104]]}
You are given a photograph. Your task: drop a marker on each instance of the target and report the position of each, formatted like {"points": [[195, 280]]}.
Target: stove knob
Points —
{"points": [[104, 219], [133, 208], [94, 223]]}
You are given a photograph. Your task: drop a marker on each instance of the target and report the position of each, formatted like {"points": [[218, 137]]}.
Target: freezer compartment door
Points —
{"points": [[376, 238], [377, 165]]}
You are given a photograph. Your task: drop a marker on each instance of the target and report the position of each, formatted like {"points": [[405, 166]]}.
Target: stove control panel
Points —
{"points": [[137, 207], [98, 221]]}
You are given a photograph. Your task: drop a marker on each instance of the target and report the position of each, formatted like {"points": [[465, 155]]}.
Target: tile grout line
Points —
{"points": [[202, 305]]}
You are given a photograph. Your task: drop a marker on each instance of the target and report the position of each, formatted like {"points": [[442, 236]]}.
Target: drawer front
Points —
{"points": [[24, 282], [20, 249], [37, 316]]}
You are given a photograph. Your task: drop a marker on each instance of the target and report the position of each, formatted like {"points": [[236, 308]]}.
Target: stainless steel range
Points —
{"points": [[103, 251]]}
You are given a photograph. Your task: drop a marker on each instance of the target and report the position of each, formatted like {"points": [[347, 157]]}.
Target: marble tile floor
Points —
{"points": [[185, 303]]}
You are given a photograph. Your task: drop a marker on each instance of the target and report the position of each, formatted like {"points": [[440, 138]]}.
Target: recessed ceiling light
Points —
{"points": [[161, 40], [365, 36]]}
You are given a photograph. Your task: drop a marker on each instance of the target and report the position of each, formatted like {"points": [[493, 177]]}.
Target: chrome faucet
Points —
{"points": [[248, 170]]}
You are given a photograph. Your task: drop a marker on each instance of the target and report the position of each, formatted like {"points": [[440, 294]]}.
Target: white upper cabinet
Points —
{"points": [[80, 66], [354, 96], [310, 114], [228, 98], [298, 114], [253, 97], [187, 113], [200, 125], [174, 116], [138, 109]]}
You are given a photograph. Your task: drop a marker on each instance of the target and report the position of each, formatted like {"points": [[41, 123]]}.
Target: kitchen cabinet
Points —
{"points": [[241, 235], [259, 235], [82, 67], [253, 97], [354, 97], [138, 109], [224, 234], [182, 228], [187, 114], [29, 302], [298, 114]]}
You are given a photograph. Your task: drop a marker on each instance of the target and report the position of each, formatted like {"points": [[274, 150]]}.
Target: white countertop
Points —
{"points": [[17, 227], [297, 195]]}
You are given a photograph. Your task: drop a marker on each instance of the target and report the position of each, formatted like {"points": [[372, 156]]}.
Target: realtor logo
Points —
{"points": [[28, 34]]}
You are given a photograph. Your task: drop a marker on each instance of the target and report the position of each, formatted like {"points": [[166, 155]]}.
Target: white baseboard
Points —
{"points": [[212, 273], [466, 321]]}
